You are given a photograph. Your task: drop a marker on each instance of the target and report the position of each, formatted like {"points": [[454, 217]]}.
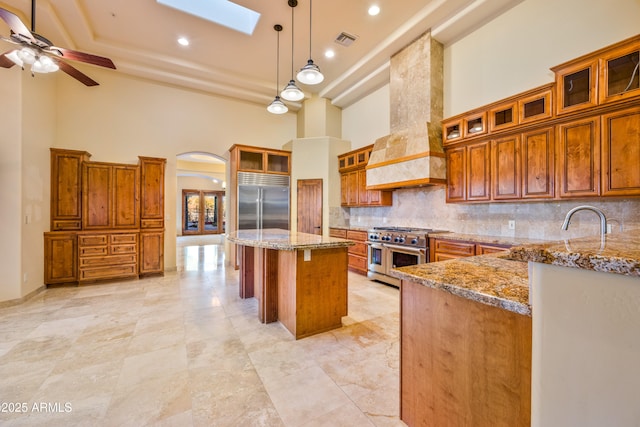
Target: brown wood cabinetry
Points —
{"points": [[340, 233], [577, 137], [444, 249], [578, 158], [60, 257], [358, 252], [106, 207], [353, 181], [621, 153], [66, 188], [110, 196], [107, 255], [463, 363], [262, 160]]}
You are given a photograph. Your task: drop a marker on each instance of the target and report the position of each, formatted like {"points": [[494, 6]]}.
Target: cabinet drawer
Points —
{"points": [[123, 238], [108, 272], [358, 263], [152, 223], [357, 235], [455, 248], [92, 240], [482, 249], [93, 251], [123, 249], [358, 249], [112, 260], [445, 257], [66, 225], [338, 232]]}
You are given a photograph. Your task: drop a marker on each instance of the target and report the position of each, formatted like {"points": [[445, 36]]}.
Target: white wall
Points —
{"points": [[368, 119], [10, 185]]}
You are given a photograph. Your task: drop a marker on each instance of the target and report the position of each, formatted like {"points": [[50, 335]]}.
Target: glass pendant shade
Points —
{"points": [[291, 92], [277, 106], [310, 74]]}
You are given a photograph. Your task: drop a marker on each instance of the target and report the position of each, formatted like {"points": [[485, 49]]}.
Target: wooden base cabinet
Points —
{"points": [[60, 257], [107, 255], [151, 252]]}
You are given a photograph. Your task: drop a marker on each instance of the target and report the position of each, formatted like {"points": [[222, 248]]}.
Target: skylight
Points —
{"points": [[222, 12]]}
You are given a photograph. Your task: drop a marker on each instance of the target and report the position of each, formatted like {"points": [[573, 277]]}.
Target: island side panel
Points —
{"points": [[312, 295], [266, 281], [247, 273], [462, 362]]}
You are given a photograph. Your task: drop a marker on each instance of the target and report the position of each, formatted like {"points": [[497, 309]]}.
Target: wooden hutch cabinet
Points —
{"points": [[107, 219], [577, 137], [353, 181]]}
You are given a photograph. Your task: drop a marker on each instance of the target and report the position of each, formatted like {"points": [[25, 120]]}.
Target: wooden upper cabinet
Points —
{"points": [[478, 171], [577, 85], [537, 105], [353, 181], [619, 74], [503, 116], [110, 196], [456, 174], [621, 153], [505, 168], [538, 163], [261, 160], [66, 188], [152, 192], [578, 158]]}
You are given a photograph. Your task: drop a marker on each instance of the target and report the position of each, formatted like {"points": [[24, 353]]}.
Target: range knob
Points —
{"points": [[414, 241], [373, 237], [397, 239]]}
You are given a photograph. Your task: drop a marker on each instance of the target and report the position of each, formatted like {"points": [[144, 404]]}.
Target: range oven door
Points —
{"points": [[401, 256], [377, 258]]}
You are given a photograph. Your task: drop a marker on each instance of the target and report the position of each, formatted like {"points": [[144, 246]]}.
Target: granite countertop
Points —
{"points": [[612, 253], [285, 240], [495, 240], [488, 279]]}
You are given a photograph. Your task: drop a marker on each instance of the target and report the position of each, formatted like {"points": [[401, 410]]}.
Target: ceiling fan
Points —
{"points": [[41, 54]]}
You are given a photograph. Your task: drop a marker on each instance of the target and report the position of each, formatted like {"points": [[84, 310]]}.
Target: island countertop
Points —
{"points": [[611, 253], [286, 240], [488, 279]]}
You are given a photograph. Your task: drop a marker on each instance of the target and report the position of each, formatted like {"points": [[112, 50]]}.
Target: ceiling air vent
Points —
{"points": [[345, 39]]}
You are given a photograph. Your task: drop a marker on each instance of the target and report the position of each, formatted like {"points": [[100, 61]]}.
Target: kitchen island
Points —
{"points": [[491, 340], [465, 342], [298, 279]]}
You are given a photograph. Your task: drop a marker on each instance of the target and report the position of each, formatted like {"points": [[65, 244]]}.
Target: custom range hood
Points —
{"points": [[412, 154]]}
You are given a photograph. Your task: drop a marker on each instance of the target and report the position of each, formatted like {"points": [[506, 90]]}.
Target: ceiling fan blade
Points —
{"points": [[6, 62], [84, 57], [75, 73], [16, 25]]}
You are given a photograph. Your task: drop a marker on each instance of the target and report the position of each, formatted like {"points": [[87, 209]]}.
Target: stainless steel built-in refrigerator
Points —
{"points": [[263, 201]]}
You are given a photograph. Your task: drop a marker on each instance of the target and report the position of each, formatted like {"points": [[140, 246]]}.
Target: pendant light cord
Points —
{"points": [[291, 42], [310, 10], [278, 29]]}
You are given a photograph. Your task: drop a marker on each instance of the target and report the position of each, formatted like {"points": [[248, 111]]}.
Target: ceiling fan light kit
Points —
{"points": [[310, 74], [40, 54]]}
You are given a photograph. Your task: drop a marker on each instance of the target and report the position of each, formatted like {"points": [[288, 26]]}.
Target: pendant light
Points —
{"points": [[292, 92], [277, 106], [310, 74]]}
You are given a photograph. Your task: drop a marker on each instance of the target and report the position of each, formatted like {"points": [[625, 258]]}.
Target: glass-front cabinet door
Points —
{"points": [[202, 212]]}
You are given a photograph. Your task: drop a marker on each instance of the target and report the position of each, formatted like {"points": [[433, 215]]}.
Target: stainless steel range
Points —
{"points": [[392, 247]]}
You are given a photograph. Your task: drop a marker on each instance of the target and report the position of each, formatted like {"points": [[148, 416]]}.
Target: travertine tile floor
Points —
{"points": [[183, 349]]}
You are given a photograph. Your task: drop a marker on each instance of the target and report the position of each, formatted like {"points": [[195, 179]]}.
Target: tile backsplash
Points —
{"points": [[426, 208]]}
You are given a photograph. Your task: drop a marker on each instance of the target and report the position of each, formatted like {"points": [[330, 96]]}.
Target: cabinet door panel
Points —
{"points": [[456, 174], [537, 164], [125, 197], [505, 168], [151, 252], [579, 158], [96, 195], [478, 171], [60, 258], [363, 196], [152, 191], [621, 153]]}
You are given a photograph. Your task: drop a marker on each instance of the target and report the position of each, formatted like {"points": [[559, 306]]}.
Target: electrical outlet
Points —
{"points": [[512, 224]]}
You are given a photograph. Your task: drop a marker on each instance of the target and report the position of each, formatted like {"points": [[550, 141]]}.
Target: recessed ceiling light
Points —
{"points": [[374, 10], [183, 41], [329, 54]]}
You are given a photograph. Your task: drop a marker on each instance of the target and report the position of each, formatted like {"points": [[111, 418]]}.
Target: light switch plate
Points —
{"points": [[307, 254]]}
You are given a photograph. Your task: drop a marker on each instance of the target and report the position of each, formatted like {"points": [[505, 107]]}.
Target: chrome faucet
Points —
{"points": [[603, 219]]}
